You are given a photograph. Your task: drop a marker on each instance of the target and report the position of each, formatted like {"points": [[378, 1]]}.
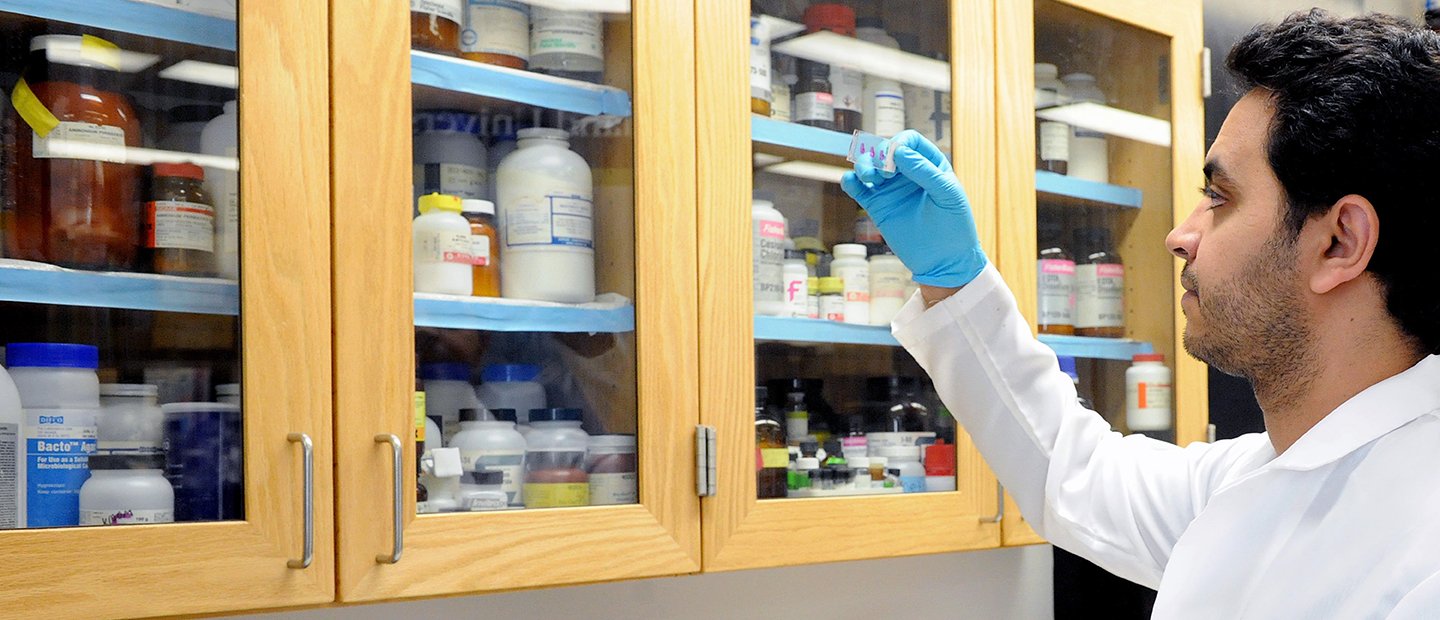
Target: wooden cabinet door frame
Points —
{"points": [[374, 325], [739, 530]]}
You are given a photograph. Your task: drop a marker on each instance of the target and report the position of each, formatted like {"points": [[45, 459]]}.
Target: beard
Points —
{"points": [[1254, 326]]}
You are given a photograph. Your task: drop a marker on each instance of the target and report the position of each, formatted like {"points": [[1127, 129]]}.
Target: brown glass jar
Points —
{"points": [[179, 222], [435, 26], [1099, 286], [772, 458]]}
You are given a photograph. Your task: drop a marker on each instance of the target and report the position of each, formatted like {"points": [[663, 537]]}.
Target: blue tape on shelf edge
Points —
{"points": [[786, 329], [120, 291], [518, 86], [140, 18], [1061, 185], [803, 137], [513, 318]]}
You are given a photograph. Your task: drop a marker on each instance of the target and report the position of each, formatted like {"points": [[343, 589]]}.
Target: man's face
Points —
{"points": [[1244, 303]]}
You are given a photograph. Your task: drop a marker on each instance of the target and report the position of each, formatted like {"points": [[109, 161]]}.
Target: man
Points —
{"points": [[1335, 511]]}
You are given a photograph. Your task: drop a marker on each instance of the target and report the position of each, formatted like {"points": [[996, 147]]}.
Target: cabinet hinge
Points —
{"points": [[705, 460], [1205, 86]]}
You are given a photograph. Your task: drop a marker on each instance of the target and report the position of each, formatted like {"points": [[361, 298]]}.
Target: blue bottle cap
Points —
{"points": [[51, 355], [445, 371], [555, 415], [1067, 366], [510, 372]]}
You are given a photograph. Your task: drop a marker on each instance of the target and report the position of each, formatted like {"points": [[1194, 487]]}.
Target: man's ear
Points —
{"points": [[1349, 232]]}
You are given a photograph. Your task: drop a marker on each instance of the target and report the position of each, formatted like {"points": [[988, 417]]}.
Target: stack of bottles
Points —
{"points": [[897, 441], [512, 34], [1060, 148], [501, 446], [1080, 293]]}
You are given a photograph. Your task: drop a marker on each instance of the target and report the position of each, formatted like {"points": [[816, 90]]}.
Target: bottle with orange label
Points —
{"points": [[179, 222], [484, 246], [1149, 386]]}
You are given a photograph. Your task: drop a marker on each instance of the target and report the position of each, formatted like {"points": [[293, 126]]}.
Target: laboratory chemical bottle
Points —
{"points": [[613, 465], [178, 223], [878, 465], [760, 95], [512, 386], [853, 270], [907, 460], [567, 44], [1052, 138], [832, 299], [782, 79], [126, 489], [814, 103], [484, 246], [423, 440], [184, 125], [11, 453], [797, 284], [1055, 303], [493, 445], [547, 211], [221, 137], [834, 454], [448, 154], [1099, 286], [812, 298], [447, 391], [503, 145], [435, 25], [1067, 366], [555, 460], [847, 85], [883, 99], [920, 102], [497, 32], [60, 392], [940, 466], [130, 420], [1149, 386], [441, 241], [771, 457], [887, 287], [868, 234], [1089, 154], [768, 266], [797, 418], [480, 492], [76, 210]]}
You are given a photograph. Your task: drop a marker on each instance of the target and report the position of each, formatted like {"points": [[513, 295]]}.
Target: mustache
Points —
{"points": [[1188, 279]]}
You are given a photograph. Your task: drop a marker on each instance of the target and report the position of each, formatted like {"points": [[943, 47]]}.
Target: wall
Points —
{"points": [[994, 585]]}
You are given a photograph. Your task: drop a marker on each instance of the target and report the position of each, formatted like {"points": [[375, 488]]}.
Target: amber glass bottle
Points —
{"points": [[772, 459], [435, 25]]}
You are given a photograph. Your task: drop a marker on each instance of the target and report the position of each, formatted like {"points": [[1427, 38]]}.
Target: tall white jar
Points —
{"points": [[547, 220], [768, 258], [221, 137], [851, 267]]}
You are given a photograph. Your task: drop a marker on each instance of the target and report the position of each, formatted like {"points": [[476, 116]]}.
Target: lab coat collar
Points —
{"points": [[1367, 416]]}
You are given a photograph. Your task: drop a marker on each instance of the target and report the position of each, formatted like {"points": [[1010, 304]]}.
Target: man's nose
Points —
{"points": [[1184, 239]]}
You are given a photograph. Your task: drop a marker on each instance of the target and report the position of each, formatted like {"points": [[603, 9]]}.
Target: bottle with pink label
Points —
{"points": [[1099, 286], [1055, 302], [768, 267]]}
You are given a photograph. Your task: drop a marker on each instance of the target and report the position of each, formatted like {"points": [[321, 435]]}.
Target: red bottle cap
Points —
{"points": [[940, 460], [1149, 357], [188, 171], [836, 18]]}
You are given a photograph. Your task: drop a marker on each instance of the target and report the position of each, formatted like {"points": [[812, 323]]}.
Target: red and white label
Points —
{"points": [[172, 224]]}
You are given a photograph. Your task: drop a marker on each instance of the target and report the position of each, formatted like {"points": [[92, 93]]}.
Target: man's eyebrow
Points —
{"points": [[1215, 172]]}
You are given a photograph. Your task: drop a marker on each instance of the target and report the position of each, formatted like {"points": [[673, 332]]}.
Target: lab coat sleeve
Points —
{"points": [[1121, 502], [1422, 603]]}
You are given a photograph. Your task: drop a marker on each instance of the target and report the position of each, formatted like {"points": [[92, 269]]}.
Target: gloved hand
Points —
{"points": [[921, 211]]}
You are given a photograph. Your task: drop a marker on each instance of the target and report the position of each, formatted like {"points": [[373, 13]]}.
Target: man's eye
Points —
{"points": [[1215, 198]]}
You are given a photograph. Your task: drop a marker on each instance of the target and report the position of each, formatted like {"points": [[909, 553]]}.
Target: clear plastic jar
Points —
{"points": [[612, 464], [127, 489], [555, 460], [54, 375], [130, 420], [493, 446]]}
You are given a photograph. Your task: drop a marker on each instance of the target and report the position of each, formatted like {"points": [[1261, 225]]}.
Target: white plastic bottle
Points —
{"points": [[759, 60], [547, 220], [11, 453], [513, 386], [130, 420], [1089, 155], [907, 460], [1052, 138], [441, 238], [797, 284], [448, 154], [768, 258], [1149, 387], [127, 489], [888, 277], [60, 392], [884, 98], [567, 43], [853, 269], [221, 137], [494, 445], [447, 391]]}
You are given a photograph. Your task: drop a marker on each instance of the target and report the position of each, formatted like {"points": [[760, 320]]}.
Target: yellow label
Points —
{"points": [[775, 457], [556, 494], [35, 114], [100, 50], [419, 416]]}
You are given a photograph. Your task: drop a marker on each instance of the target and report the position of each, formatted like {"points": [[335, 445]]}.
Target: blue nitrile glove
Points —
{"points": [[921, 211]]}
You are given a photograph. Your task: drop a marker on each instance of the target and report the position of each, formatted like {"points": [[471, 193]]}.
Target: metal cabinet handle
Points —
{"points": [[308, 450], [396, 451], [999, 503]]}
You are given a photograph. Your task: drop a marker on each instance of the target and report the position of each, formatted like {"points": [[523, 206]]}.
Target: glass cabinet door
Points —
{"points": [[516, 315], [163, 305], [828, 404], [1108, 103]]}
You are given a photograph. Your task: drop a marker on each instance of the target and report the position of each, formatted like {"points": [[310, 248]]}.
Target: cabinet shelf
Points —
{"points": [[784, 329], [1070, 190], [799, 137], [130, 16], [609, 313], [526, 87], [38, 283]]}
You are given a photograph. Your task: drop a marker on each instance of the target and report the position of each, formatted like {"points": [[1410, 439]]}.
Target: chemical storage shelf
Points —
{"points": [[134, 17], [797, 136], [784, 329], [38, 283], [463, 76], [1063, 189], [609, 313]]}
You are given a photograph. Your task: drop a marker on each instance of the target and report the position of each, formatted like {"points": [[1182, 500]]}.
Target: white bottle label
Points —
{"points": [[812, 306], [857, 282], [565, 32], [480, 250], [1056, 303], [79, 140], [815, 106], [759, 59], [1100, 295], [612, 489], [438, 247], [889, 113], [797, 290], [453, 179], [511, 463], [832, 308], [224, 187], [447, 9], [125, 517], [848, 86], [780, 101], [1149, 406], [9, 476], [179, 225], [497, 27], [1054, 141], [553, 219], [57, 451], [768, 267], [887, 284]]}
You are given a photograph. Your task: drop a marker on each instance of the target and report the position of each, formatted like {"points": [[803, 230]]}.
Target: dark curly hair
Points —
{"points": [[1357, 111]]}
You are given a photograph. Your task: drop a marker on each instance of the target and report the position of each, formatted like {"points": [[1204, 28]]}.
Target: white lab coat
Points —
{"points": [[1345, 524]]}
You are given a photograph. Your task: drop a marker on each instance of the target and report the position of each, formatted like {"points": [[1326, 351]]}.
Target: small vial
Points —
{"points": [[877, 472], [832, 299]]}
